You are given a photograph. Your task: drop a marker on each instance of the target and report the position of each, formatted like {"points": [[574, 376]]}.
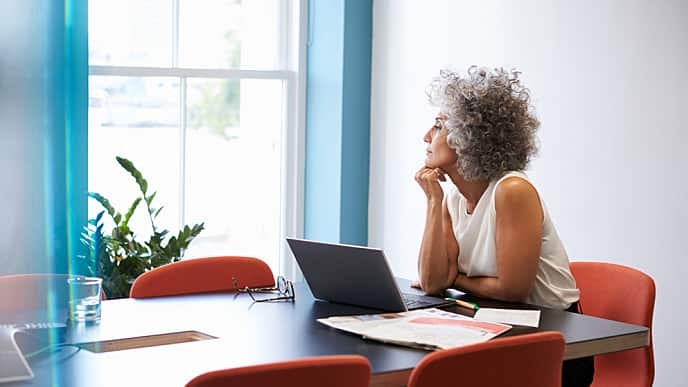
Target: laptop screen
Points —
{"points": [[349, 274]]}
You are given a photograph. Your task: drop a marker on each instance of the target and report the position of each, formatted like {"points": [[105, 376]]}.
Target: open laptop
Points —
{"points": [[34, 327], [354, 275]]}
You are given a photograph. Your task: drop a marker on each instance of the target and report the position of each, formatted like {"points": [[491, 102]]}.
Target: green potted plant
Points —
{"points": [[118, 257]]}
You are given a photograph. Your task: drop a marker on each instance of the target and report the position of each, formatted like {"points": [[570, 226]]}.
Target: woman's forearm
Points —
{"points": [[491, 287], [435, 271]]}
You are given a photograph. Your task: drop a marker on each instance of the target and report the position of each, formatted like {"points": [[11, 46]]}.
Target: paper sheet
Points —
{"points": [[423, 328], [530, 318]]}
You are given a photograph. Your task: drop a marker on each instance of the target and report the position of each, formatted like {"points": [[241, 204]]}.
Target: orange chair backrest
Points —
{"points": [[202, 275], [331, 371], [42, 296], [34, 291], [532, 360], [20, 292], [620, 293]]}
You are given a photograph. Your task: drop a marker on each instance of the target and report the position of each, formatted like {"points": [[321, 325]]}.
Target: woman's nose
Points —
{"points": [[428, 136]]}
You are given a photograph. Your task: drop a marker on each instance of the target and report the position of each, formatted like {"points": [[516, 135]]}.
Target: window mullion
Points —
{"points": [[182, 151], [284, 34], [129, 71], [175, 33], [294, 135], [182, 114]]}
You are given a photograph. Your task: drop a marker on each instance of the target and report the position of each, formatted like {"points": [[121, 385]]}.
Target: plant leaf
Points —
{"points": [[103, 202], [129, 167], [130, 212], [150, 198]]}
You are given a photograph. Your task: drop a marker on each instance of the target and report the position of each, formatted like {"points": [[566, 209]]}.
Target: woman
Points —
{"points": [[490, 233]]}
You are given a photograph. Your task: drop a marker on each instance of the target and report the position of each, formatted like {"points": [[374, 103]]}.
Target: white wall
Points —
{"points": [[609, 82]]}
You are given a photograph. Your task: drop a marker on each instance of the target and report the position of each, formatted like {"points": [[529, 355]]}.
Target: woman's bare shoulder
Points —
{"points": [[515, 190]]}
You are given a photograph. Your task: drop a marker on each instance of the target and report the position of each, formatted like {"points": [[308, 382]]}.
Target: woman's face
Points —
{"points": [[438, 154]]}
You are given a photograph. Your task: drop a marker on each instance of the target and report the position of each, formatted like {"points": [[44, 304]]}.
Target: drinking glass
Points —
{"points": [[84, 298]]}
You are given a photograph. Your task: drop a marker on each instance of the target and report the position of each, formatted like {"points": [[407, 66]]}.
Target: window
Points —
{"points": [[204, 98]]}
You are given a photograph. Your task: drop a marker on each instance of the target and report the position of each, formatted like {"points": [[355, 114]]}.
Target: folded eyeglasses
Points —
{"points": [[283, 289]]}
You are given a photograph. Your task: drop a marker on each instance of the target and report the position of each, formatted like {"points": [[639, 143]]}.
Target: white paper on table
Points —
{"points": [[530, 318], [424, 328]]}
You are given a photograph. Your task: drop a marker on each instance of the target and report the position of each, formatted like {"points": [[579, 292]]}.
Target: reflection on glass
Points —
{"points": [[130, 33], [230, 33], [233, 153], [136, 118]]}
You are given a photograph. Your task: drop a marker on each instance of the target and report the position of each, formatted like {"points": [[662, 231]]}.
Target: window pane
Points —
{"points": [[230, 34], [233, 167], [130, 33], [138, 119]]}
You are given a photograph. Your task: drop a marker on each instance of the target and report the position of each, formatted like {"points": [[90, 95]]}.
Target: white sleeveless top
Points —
{"points": [[475, 233]]}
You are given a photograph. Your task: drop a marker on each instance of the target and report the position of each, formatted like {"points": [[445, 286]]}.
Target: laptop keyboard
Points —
{"points": [[37, 325], [414, 300]]}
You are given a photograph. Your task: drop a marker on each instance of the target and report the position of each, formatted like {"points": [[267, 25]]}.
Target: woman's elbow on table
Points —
{"points": [[434, 286], [514, 292]]}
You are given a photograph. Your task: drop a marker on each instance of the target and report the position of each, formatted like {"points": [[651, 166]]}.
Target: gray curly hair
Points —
{"points": [[488, 119]]}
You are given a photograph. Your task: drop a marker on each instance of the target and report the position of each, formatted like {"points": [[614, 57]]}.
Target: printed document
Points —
{"points": [[425, 328]]}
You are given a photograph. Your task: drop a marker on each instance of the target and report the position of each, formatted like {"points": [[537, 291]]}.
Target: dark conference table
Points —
{"points": [[250, 333]]}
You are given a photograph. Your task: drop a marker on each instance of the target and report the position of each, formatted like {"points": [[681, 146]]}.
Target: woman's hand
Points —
{"points": [[415, 284], [429, 181]]}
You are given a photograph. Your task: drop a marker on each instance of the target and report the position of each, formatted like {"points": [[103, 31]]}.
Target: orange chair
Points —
{"points": [[202, 275], [623, 294], [532, 360], [43, 293], [331, 371], [32, 291]]}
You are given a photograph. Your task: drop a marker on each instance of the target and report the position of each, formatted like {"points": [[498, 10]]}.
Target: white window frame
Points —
{"points": [[293, 57]]}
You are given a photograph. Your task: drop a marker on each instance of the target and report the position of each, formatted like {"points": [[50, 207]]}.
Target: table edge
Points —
{"points": [[602, 346]]}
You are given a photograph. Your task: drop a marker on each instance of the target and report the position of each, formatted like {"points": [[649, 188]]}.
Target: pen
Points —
{"points": [[463, 303]]}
